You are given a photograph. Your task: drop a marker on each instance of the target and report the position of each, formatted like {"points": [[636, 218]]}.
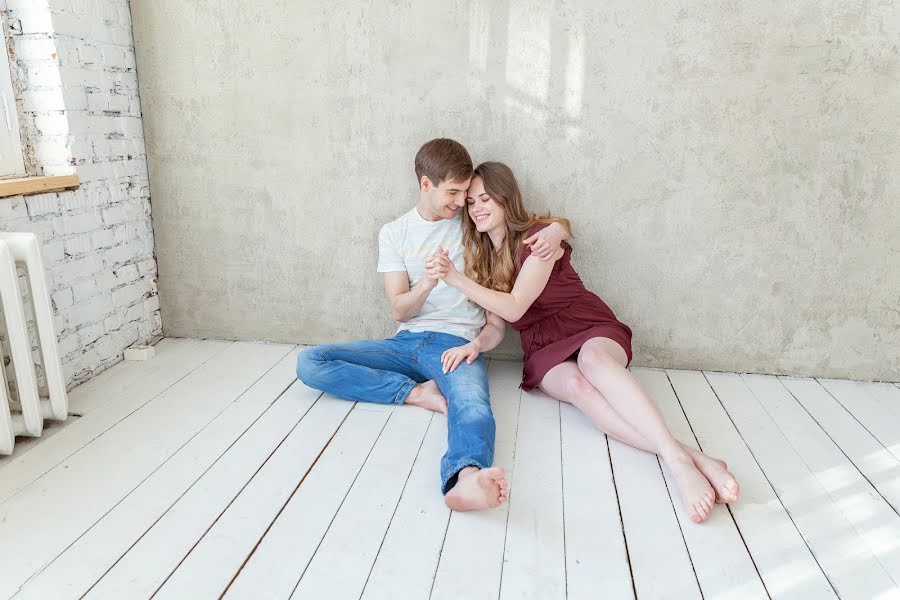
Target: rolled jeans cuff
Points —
{"points": [[404, 391]]}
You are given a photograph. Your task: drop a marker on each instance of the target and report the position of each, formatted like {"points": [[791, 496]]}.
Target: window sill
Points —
{"points": [[37, 185]]}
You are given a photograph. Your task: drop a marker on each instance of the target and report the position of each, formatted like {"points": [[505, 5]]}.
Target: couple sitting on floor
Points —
{"points": [[464, 261]]}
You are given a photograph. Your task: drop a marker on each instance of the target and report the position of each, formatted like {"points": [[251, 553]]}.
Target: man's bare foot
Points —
{"points": [[696, 492], [718, 475], [478, 488], [428, 396]]}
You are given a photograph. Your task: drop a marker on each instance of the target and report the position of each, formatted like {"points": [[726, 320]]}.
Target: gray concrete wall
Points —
{"points": [[731, 168]]}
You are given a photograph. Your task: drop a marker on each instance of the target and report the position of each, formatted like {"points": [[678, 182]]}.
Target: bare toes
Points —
{"points": [[702, 513]]}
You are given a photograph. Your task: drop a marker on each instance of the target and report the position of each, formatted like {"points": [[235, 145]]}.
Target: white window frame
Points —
{"points": [[12, 161]]}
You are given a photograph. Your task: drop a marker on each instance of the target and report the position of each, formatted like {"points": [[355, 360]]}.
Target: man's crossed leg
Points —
{"points": [[406, 369]]}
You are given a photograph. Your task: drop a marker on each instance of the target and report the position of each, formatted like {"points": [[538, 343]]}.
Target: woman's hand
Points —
{"points": [[547, 241], [439, 266], [453, 357]]}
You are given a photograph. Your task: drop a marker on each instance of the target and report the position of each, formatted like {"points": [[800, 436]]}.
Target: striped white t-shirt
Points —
{"points": [[403, 245]]}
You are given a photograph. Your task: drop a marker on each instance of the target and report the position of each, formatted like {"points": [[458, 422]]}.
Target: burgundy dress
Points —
{"points": [[562, 318]]}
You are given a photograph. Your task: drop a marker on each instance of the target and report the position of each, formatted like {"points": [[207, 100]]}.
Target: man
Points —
{"points": [[438, 328]]}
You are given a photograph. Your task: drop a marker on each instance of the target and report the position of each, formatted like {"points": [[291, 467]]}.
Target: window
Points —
{"points": [[11, 162]]}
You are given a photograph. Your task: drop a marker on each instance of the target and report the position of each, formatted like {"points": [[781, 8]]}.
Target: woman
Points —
{"points": [[575, 348]]}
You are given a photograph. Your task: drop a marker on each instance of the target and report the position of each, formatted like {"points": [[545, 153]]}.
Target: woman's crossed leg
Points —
{"points": [[601, 387]]}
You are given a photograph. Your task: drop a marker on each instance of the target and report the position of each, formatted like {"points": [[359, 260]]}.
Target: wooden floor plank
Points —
{"points": [[277, 563], [660, 563], [534, 564], [779, 552], [885, 395], [721, 561], [94, 553], [41, 521], [129, 376], [596, 558], [352, 542], [148, 564], [114, 394], [472, 558], [214, 560], [843, 554], [409, 556], [870, 406], [869, 455], [870, 516]]}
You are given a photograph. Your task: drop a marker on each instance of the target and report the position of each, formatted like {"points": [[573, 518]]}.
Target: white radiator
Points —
{"points": [[24, 250]]}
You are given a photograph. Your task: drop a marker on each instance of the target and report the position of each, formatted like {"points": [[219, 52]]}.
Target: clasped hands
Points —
{"points": [[439, 266]]}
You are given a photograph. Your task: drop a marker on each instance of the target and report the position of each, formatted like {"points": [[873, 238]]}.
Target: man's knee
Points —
{"points": [[469, 382], [308, 365], [472, 411]]}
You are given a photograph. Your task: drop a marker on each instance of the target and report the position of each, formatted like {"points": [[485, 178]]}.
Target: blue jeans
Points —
{"points": [[384, 371]]}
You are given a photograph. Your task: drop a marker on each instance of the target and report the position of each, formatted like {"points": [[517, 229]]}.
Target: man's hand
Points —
{"points": [[429, 283], [547, 241], [439, 265], [453, 357]]}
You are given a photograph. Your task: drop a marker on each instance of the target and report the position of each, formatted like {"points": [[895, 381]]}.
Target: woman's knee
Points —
{"points": [[567, 383], [581, 393], [580, 389], [598, 355]]}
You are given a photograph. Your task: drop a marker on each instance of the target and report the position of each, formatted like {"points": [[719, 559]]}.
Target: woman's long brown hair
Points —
{"points": [[496, 269]]}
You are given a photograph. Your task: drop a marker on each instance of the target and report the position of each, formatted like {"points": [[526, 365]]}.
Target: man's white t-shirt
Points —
{"points": [[403, 245]]}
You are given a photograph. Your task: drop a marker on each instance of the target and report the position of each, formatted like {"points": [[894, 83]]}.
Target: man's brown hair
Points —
{"points": [[443, 160]]}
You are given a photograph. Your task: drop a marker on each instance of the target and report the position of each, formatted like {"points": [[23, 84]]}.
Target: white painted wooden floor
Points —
{"points": [[209, 471]]}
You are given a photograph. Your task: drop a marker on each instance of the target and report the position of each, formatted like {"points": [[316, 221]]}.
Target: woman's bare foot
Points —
{"points": [[478, 488], [696, 492], [427, 395], [718, 475]]}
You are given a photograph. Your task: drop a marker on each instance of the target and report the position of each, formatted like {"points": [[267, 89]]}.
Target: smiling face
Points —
{"points": [[487, 214], [442, 201]]}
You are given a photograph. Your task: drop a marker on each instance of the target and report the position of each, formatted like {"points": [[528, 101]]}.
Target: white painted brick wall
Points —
{"points": [[79, 110]]}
